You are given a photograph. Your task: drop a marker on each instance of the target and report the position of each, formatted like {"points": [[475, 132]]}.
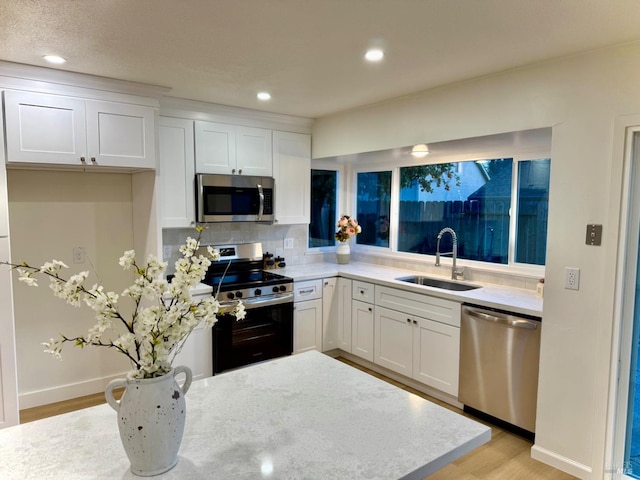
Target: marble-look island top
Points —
{"points": [[306, 416]]}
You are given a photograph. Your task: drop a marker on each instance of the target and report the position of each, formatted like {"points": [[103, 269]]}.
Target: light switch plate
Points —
{"points": [[594, 234]]}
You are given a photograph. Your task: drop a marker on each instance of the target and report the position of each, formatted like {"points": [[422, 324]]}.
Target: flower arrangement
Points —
{"points": [[347, 228], [163, 317]]}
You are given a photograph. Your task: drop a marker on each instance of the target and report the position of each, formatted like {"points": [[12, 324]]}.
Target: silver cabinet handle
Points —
{"points": [[306, 292]]}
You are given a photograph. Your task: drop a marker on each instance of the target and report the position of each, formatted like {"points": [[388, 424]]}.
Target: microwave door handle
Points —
{"points": [[261, 196]]}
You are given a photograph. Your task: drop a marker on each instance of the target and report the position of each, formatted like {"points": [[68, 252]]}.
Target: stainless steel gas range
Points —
{"points": [[267, 330]]}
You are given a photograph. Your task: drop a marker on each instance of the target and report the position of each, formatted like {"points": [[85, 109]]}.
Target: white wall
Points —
{"points": [[49, 214], [580, 97]]}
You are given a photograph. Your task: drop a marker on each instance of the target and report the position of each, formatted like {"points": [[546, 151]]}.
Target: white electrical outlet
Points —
{"points": [[78, 254], [288, 243], [166, 252], [572, 278]]}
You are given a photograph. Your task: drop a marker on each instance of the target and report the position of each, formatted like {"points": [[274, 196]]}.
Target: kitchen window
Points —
{"points": [[374, 208], [324, 202], [474, 197]]}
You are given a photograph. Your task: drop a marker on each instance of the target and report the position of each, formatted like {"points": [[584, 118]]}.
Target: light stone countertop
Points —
{"points": [[306, 416], [517, 300]]}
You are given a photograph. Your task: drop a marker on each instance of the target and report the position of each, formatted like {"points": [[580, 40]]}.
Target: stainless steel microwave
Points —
{"points": [[234, 198]]}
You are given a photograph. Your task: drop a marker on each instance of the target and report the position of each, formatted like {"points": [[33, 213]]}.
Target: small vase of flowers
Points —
{"points": [[347, 227]]}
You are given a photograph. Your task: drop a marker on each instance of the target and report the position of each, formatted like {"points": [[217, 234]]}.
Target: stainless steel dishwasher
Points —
{"points": [[499, 356]]}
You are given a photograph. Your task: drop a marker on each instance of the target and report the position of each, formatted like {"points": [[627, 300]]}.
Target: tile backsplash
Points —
{"points": [[272, 238]]}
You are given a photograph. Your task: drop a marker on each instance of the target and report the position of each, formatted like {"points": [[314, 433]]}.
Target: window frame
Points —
{"points": [[511, 266], [341, 180]]}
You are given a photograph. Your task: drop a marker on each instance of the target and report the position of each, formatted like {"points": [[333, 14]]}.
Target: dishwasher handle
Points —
{"points": [[510, 321]]}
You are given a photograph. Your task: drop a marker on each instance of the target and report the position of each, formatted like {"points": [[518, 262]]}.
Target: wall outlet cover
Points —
{"points": [[572, 278]]}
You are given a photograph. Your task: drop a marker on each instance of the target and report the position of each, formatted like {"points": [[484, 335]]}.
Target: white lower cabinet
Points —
{"points": [[307, 316], [418, 337], [197, 351], [336, 314], [362, 329]]}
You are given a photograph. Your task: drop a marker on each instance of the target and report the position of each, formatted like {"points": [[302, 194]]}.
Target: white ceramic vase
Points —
{"points": [[343, 253], [151, 416]]}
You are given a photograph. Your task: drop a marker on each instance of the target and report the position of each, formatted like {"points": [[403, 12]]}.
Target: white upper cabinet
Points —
{"points": [[176, 172], [120, 135], [292, 171], [233, 149], [52, 129], [4, 202]]}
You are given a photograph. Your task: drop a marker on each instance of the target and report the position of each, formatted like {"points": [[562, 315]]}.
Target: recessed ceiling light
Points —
{"points": [[374, 55], [264, 96], [55, 59]]}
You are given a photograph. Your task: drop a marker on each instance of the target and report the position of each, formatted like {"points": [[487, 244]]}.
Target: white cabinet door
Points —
{"points": [[176, 173], [197, 353], [292, 171], [51, 129], [254, 151], [393, 335], [436, 350], [307, 326], [45, 128], [362, 329], [4, 201], [329, 314], [120, 135], [233, 149], [336, 318], [215, 148]]}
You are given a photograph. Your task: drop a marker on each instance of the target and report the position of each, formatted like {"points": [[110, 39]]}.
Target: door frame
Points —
{"points": [[624, 297]]}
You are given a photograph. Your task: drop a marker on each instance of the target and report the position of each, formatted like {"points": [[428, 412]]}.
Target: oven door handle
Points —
{"points": [[258, 302]]}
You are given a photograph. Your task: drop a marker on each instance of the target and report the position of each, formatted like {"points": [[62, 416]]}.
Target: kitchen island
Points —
{"points": [[304, 416]]}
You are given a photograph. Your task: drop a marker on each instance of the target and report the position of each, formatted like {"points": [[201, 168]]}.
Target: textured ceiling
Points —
{"points": [[307, 53]]}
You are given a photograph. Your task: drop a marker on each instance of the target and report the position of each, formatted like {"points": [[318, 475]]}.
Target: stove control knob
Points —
{"points": [[258, 292], [230, 295], [275, 290], [238, 294], [283, 288]]}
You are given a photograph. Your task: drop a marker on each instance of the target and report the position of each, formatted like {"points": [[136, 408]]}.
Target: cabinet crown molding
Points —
{"points": [[60, 82], [211, 112]]}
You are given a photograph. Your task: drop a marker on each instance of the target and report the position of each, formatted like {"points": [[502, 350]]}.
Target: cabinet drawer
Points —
{"points": [[363, 291], [308, 290], [433, 308]]}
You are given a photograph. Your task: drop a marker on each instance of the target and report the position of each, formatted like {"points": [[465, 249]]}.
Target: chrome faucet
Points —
{"points": [[456, 273]]}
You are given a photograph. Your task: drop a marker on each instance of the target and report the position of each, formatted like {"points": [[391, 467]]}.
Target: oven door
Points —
{"points": [[265, 332]]}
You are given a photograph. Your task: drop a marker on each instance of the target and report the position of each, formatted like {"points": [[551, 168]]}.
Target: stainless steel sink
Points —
{"points": [[438, 283]]}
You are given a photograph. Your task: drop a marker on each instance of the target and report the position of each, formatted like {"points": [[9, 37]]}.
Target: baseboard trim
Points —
{"points": [[561, 463], [65, 392]]}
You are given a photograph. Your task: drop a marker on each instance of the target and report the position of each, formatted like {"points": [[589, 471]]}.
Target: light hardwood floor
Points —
{"points": [[505, 457]]}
